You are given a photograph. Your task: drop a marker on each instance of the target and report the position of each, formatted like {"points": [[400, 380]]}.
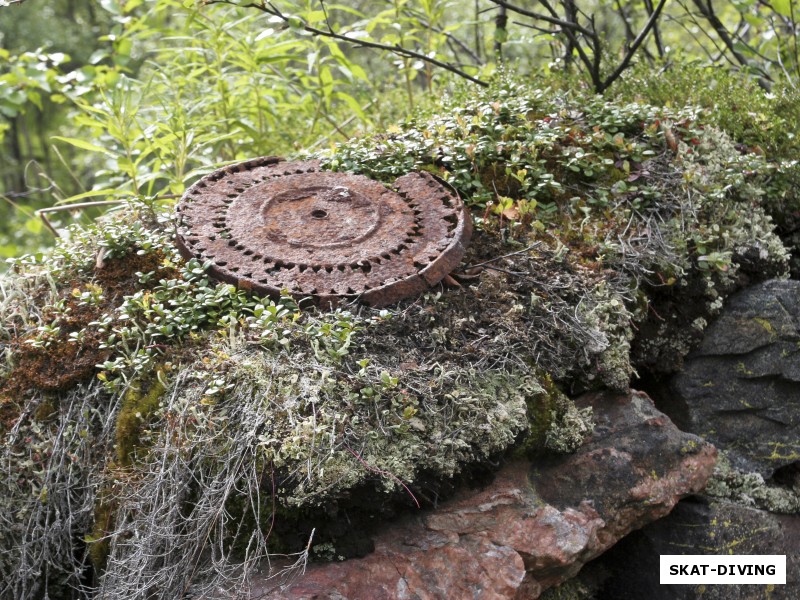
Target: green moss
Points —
{"points": [[99, 541], [556, 424], [541, 411], [47, 410], [138, 408]]}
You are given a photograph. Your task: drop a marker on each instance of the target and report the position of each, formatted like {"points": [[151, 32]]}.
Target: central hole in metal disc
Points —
{"points": [[319, 213]]}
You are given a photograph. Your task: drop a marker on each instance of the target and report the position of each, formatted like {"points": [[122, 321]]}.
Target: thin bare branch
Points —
{"points": [[707, 10], [569, 31], [554, 19], [656, 30], [451, 39], [270, 9], [634, 46]]}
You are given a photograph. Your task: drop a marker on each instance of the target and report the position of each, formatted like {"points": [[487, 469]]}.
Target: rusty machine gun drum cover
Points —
{"points": [[268, 225]]}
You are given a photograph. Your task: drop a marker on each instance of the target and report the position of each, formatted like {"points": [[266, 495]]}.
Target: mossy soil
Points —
{"points": [[58, 362]]}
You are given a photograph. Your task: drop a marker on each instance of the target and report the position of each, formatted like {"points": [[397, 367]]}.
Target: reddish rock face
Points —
{"points": [[535, 526]]}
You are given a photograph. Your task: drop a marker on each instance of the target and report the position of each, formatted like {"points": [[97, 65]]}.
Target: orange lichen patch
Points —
{"points": [[10, 410], [118, 276], [63, 361]]}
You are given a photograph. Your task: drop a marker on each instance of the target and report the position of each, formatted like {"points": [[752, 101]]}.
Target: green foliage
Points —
{"points": [[764, 124], [593, 214], [171, 89], [170, 93], [734, 103], [27, 80], [223, 87], [542, 157], [524, 143]]}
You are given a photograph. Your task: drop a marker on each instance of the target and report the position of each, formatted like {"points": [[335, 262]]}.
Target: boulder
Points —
{"points": [[703, 526], [740, 389], [535, 526]]}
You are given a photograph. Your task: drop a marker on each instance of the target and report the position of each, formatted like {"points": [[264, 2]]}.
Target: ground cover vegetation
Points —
{"points": [[165, 434]]}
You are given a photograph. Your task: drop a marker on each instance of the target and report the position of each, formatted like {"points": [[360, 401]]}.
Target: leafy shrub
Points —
{"points": [[734, 103]]}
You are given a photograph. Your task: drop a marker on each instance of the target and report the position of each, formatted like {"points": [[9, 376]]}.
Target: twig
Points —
{"points": [[449, 36], [634, 46], [656, 32], [491, 260], [591, 34], [345, 123], [500, 24], [270, 9], [383, 473], [707, 10], [554, 20], [81, 205]]}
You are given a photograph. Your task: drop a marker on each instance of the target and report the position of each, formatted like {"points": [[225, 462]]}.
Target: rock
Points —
{"points": [[700, 526], [536, 525], [740, 389]]}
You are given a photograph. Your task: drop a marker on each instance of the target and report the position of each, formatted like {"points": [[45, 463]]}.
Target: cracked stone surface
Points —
{"points": [[706, 526], [741, 388], [535, 526]]}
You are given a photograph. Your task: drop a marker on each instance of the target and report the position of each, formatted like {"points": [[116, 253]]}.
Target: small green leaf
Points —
{"points": [[352, 103], [82, 144], [93, 193], [783, 7], [34, 226]]}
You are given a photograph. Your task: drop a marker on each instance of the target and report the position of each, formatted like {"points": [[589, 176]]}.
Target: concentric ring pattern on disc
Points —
{"points": [[267, 225]]}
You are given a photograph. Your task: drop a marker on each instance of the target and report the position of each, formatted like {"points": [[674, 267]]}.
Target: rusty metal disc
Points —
{"points": [[267, 225]]}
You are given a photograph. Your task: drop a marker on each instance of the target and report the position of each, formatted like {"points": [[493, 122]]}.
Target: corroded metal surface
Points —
{"points": [[267, 225]]}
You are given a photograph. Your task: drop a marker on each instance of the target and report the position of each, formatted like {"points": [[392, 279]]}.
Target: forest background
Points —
{"points": [[106, 101]]}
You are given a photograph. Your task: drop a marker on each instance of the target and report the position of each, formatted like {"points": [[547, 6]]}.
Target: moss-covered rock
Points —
{"points": [[210, 417]]}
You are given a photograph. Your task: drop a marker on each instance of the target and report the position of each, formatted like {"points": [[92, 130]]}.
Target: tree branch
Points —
{"points": [[449, 36], [656, 32], [569, 29], [270, 9], [634, 46], [707, 10], [500, 28], [553, 20]]}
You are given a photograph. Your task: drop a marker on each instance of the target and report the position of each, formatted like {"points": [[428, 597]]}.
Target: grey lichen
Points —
{"points": [[750, 489], [568, 428], [333, 429]]}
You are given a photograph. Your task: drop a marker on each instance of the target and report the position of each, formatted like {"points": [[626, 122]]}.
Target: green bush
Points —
{"points": [[767, 122]]}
